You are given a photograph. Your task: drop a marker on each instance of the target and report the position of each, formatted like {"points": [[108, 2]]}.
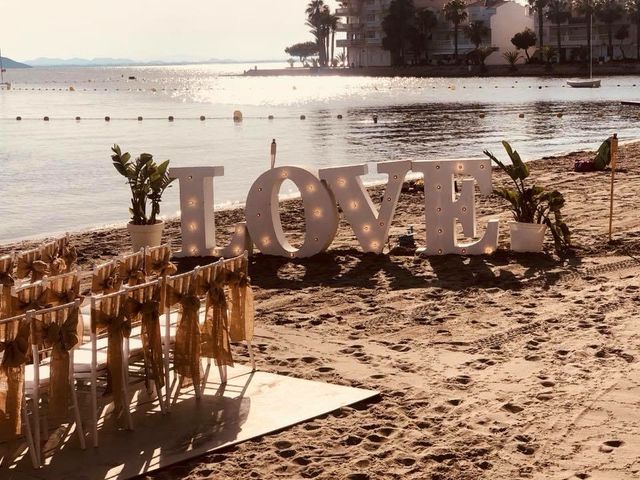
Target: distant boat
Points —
{"points": [[591, 83], [584, 83], [3, 85]]}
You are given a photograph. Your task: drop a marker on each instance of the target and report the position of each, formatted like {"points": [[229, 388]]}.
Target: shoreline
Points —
{"points": [[448, 71], [240, 205]]}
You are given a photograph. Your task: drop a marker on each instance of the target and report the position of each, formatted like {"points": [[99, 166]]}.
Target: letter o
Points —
{"points": [[263, 213]]}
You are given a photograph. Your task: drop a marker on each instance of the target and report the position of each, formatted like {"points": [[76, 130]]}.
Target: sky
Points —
{"points": [[152, 29]]}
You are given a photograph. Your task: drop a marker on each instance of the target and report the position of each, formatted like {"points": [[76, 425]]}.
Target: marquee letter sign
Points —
{"points": [[263, 213], [263, 227], [442, 209], [371, 227], [197, 220]]}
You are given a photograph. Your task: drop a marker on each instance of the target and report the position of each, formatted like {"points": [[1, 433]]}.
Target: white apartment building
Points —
{"points": [[363, 27], [573, 37]]}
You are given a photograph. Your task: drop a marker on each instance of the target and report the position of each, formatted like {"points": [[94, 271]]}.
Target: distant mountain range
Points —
{"points": [[111, 62], [8, 63]]}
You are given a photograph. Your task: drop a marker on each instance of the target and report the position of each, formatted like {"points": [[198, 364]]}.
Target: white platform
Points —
{"points": [[250, 405]]}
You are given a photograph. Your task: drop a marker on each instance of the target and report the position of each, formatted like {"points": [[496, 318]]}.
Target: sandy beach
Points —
{"points": [[498, 367]]}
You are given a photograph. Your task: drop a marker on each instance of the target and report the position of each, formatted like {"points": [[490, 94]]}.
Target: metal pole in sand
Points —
{"points": [[614, 158], [274, 147]]}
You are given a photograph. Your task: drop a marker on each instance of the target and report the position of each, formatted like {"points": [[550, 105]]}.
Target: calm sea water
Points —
{"points": [[57, 176]]}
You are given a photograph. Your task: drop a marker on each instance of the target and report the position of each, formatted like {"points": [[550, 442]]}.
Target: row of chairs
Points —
{"points": [[127, 340]]}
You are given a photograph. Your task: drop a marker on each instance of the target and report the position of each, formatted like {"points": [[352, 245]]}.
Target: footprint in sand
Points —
{"points": [[324, 369], [401, 348], [610, 445], [512, 408]]}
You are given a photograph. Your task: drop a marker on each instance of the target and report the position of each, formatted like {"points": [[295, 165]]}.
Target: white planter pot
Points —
{"points": [[145, 235], [527, 237]]}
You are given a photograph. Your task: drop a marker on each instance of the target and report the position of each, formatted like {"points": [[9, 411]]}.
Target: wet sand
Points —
{"points": [[499, 367]]}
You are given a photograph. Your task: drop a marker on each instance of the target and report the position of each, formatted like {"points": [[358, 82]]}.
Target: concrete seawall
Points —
{"points": [[536, 70]]}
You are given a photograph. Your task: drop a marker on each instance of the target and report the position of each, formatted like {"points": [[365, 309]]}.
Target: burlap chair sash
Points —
{"points": [[131, 274], [36, 269], [60, 337], [6, 279], [69, 255], [148, 314], [161, 265], [33, 302], [106, 282], [241, 316], [14, 352], [187, 345], [215, 341], [118, 327]]}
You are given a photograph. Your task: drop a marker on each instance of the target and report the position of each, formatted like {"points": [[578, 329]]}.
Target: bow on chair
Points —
{"points": [[61, 338], [162, 266], [6, 279], [215, 330], [131, 275], [37, 269], [14, 356], [241, 308], [187, 345], [69, 255], [19, 306], [149, 312], [108, 284], [118, 327]]}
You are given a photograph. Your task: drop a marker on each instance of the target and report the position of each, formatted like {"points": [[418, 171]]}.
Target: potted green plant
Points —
{"points": [[147, 181], [534, 208]]}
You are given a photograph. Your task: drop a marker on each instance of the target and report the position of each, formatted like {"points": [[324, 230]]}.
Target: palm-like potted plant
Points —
{"points": [[147, 181], [534, 208]]}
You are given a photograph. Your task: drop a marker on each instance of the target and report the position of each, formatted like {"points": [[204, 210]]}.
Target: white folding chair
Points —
{"points": [[177, 291], [55, 334], [16, 423]]}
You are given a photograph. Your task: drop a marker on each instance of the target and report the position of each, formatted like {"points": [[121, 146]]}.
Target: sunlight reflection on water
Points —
{"points": [[68, 161]]}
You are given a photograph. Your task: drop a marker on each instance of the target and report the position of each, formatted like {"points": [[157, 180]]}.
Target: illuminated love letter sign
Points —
{"points": [[442, 208], [263, 214], [370, 226], [196, 209]]}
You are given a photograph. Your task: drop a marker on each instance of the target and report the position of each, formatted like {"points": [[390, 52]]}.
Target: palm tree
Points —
{"points": [[609, 12], [399, 29], [558, 12], [586, 8], [539, 7], [314, 11], [476, 32], [426, 21], [633, 9], [331, 22], [455, 11]]}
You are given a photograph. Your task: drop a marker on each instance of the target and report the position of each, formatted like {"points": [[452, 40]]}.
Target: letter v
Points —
{"points": [[370, 226]]}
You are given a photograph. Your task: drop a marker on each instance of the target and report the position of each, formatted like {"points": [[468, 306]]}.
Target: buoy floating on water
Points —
{"points": [[18, 118], [302, 117], [481, 115], [339, 117], [77, 119], [170, 118], [46, 119], [139, 119], [237, 116], [270, 117], [521, 115], [107, 118], [202, 118], [71, 89], [559, 114], [375, 118]]}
